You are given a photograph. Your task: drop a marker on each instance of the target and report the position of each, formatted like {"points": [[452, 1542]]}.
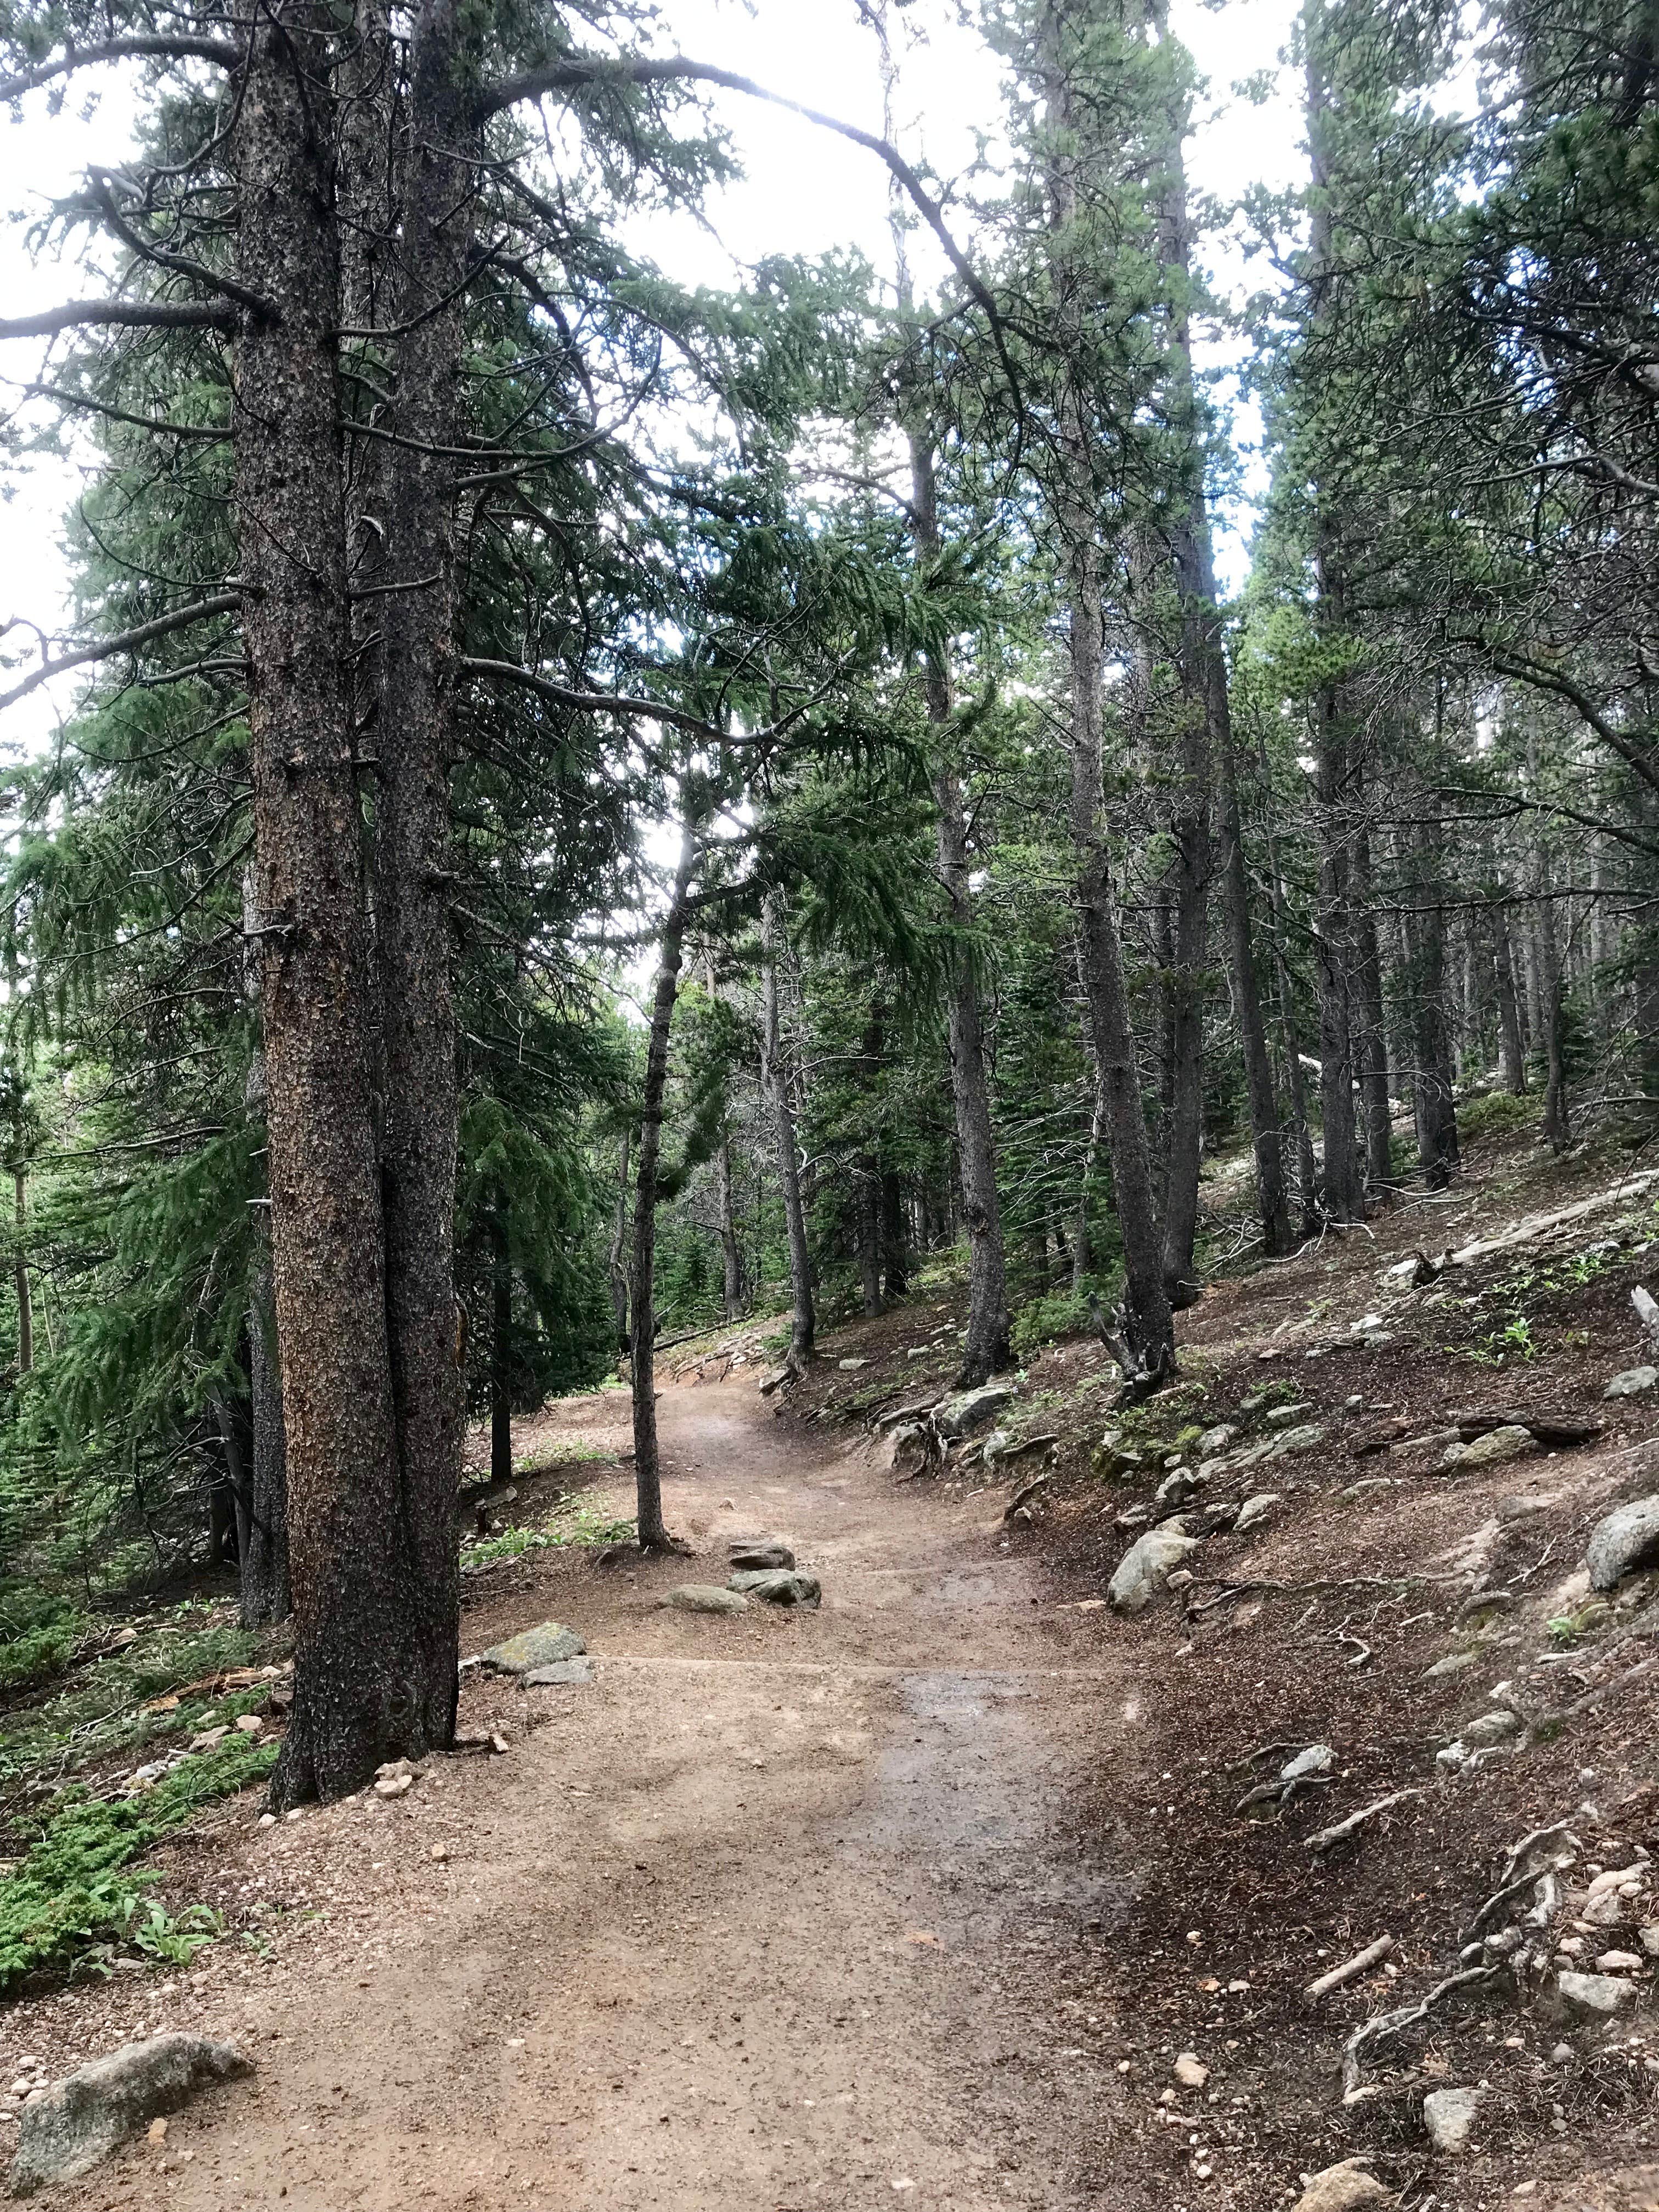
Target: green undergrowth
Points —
{"points": [[573, 1522], [75, 1896], [553, 1452]]}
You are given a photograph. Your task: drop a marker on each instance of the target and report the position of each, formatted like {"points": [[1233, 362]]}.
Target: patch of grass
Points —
{"points": [[574, 1521], [74, 1893], [39, 1652], [553, 1452]]}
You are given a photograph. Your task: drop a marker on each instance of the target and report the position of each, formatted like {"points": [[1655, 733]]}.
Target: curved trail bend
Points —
{"points": [[776, 1915]]}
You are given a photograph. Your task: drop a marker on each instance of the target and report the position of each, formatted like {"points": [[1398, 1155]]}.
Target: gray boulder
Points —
{"points": [[1633, 1383], [1450, 2116], [545, 1645], [703, 1597], [1301, 1439], [1626, 1540], [773, 1587], [1255, 1510], [1511, 1442], [1454, 1663], [1599, 1996], [754, 1555], [68, 2129], [961, 1416], [1217, 1439], [1492, 1728], [1282, 1416], [1144, 1571]]}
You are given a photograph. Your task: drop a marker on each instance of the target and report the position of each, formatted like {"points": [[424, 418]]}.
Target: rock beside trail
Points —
{"points": [[753, 1555], [1627, 1539], [1633, 1383], [1511, 1442], [1597, 1995], [1342, 2188], [563, 1674], [1255, 1510], [1217, 1439], [703, 1597], [1144, 1571], [1492, 1728], [1450, 2116], [773, 1587], [545, 1645], [960, 1416], [1454, 1663], [69, 2128]]}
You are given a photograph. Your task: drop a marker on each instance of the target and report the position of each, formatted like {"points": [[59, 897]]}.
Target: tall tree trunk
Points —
{"points": [[1437, 1117], [1266, 1135], [1150, 1325], [412, 865], [500, 1357], [774, 1081], [986, 1349], [648, 1468], [20, 1263], [619, 1255], [867, 1217], [895, 1260], [1371, 1040], [1556, 1125], [731, 1248], [1511, 1045], [1343, 1193], [362, 1692], [263, 1577]]}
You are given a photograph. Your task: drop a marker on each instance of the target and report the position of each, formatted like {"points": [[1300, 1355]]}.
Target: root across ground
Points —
{"points": [[771, 1916]]}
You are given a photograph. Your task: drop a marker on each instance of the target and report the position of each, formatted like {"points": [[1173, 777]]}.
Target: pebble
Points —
{"points": [[1191, 2071]]}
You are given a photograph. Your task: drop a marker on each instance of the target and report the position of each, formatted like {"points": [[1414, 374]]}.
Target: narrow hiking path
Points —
{"points": [[772, 1914]]}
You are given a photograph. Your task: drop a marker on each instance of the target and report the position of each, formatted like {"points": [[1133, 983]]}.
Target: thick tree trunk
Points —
{"points": [[363, 1692], [1425, 938], [412, 869], [648, 1468], [774, 1081]]}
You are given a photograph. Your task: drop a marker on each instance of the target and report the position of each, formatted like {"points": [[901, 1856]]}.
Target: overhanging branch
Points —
{"points": [[127, 641]]}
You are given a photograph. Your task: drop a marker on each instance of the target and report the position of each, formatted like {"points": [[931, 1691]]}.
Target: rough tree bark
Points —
{"points": [[775, 1082], [500, 1357], [647, 1467], [262, 1576], [361, 1693]]}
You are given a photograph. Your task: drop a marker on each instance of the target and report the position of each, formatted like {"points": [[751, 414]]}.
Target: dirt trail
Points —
{"points": [[773, 1916]]}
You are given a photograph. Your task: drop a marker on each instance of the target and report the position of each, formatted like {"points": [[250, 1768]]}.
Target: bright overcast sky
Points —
{"points": [[804, 192]]}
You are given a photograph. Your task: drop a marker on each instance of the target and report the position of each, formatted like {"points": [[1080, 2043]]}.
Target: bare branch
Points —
{"points": [[128, 641], [149, 46], [127, 314]]}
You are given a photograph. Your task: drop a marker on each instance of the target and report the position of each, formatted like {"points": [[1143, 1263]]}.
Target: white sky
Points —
{"points": [[804, 192]]}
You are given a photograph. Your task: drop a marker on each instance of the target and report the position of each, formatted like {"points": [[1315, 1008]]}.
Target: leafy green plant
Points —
{"points": [[70, 1892], [575, 1522], [1046, 1320]]}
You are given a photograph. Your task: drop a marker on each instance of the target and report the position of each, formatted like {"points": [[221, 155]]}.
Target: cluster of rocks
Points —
{"points": [[762, 1572]]}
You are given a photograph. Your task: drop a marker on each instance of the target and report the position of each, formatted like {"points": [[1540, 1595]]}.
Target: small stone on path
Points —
{"points": [[754, 1554], [1511, 1442], [1191, 2071], [1450, 2116], [1344, 2187], [1600, 1996], [1633, 1383], [563, 1674]]}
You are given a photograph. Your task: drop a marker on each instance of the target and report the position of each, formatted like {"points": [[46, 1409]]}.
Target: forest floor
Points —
{"points": [[938, 1895]]}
